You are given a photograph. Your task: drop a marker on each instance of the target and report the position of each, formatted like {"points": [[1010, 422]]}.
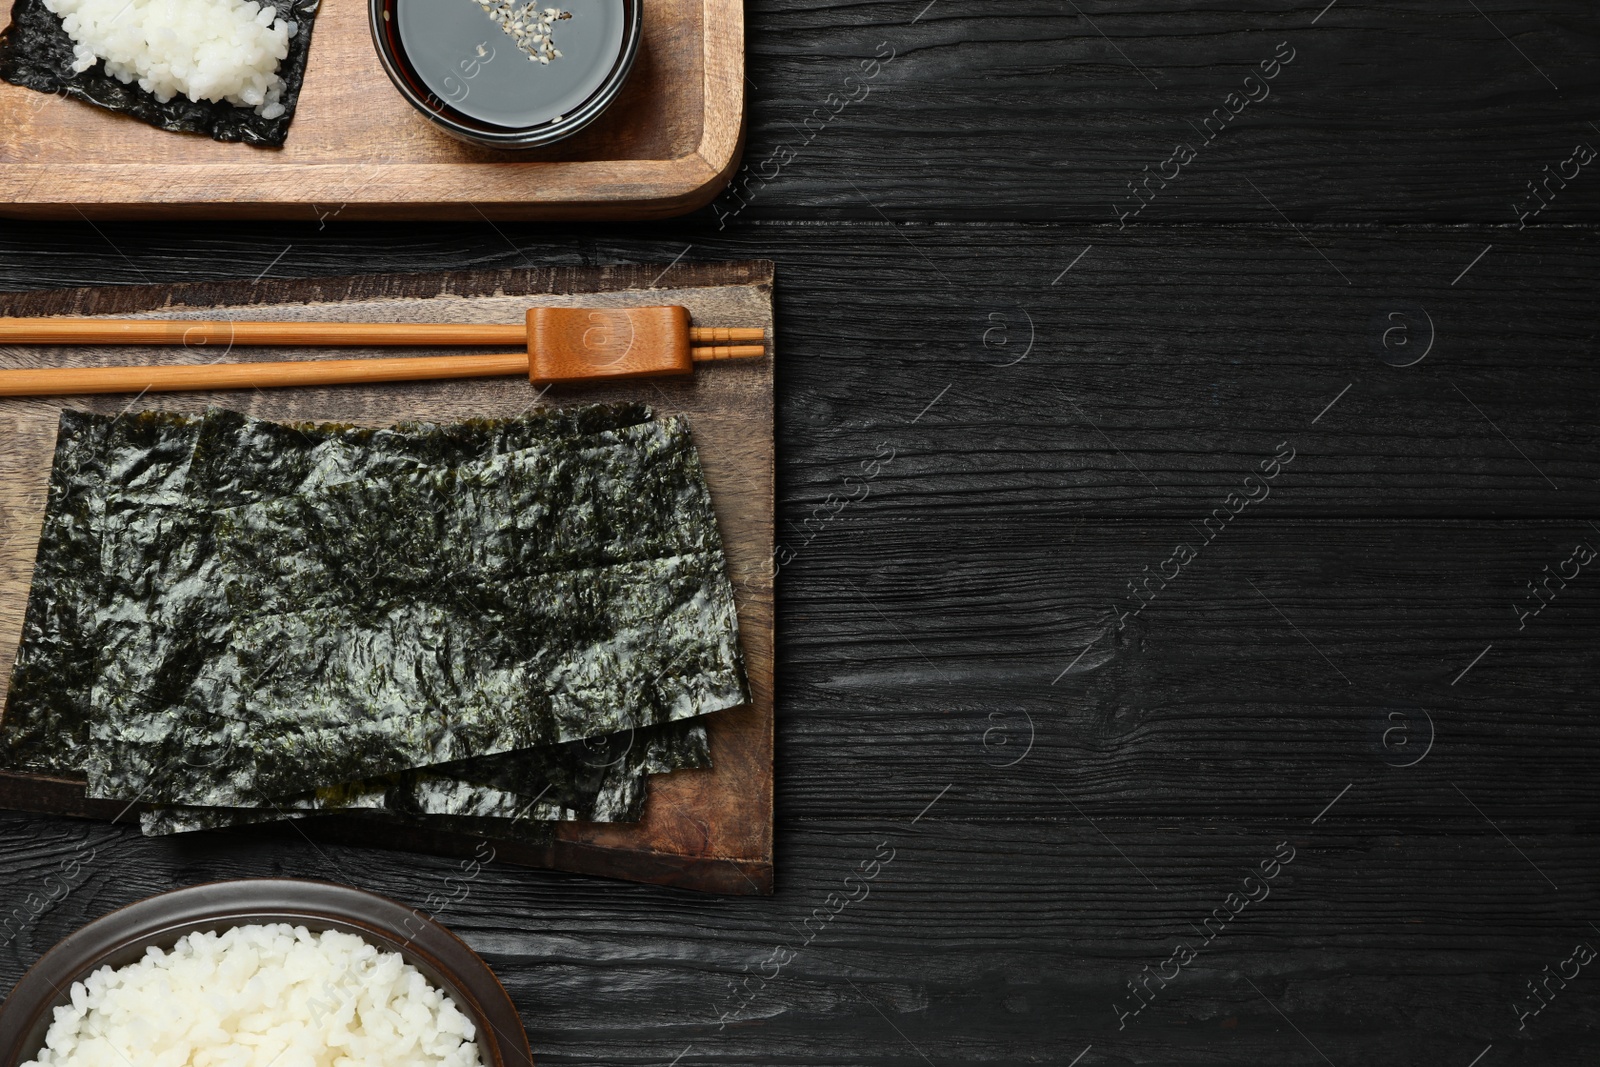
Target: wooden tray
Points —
{"points": [[707, 830], [357, 150]]}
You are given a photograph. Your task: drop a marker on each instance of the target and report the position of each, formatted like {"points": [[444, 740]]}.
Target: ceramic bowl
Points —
{"points": [[123, 936], [472, 80]]}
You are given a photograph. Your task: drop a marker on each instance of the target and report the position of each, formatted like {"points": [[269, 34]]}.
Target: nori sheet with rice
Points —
{"points": [[171, 707], [36, 53]]}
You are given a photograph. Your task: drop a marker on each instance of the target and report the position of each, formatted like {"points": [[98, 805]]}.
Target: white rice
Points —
{"points": [[256, 996], [205, 49]]}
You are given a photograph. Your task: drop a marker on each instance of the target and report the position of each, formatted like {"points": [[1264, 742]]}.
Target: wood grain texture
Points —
{"points": [[1288, 659], [925, 626], [1163, 367], [988, 941], [1408, 111], [357, 150], [709, 830], [1025, 898]]}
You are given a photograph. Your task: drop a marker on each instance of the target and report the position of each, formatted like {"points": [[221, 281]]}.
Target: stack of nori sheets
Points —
{"points": [[492, 625]]}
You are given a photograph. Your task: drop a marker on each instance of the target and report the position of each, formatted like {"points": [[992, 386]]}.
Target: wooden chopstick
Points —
{"points": [[708, 353], [188, 377], [196, 333], [48, 381], [561, 345]]}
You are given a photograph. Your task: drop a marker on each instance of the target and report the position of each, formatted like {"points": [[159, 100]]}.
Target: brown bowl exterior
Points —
{"points": [[123, 936]]}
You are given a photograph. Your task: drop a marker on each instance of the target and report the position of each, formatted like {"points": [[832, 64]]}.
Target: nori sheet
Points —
{"points": [[160, 580], [594, 780], [243, 460], [406, 618], [45, 726], [260, 452], [46, 716], [239, 460], [36, 52], [47, 712], [312, 699]]}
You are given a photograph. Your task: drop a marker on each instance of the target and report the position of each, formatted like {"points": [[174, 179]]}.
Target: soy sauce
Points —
{"points": [[474, 67]]}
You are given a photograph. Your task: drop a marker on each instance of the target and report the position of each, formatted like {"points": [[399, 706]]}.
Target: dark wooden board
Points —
{"points": [[708, 830]]}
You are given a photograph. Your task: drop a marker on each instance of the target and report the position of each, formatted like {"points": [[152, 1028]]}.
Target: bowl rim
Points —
{"points": [[397, 66], [443, 958]]}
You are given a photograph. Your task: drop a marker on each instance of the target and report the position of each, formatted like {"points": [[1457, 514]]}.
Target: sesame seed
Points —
{"points": [[527, 25]]}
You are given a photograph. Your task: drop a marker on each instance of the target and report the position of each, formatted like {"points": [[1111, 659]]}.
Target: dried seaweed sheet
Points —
{"points": [[619, 496], [47, 710], [153, 457], [230, 458], [46, 723], [595, 780], [36, 52], [337, 697], [407, 620], [242, 460], [46, 713]]}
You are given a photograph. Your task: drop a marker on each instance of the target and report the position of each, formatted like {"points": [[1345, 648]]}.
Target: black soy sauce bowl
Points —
{"points": [[441, 91], [123, 937]]}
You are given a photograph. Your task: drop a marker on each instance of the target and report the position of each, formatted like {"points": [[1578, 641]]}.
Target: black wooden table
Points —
{"points": [[1200, 655]]}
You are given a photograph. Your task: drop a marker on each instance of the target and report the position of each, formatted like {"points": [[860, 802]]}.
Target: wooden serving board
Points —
{"points": [[708, 830], [357, 150]]}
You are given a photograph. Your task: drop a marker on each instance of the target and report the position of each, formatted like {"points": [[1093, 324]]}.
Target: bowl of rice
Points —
{"points": [[262, 973]]}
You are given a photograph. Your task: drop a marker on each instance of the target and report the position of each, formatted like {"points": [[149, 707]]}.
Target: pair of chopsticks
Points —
{"points": [[560, 345]]}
